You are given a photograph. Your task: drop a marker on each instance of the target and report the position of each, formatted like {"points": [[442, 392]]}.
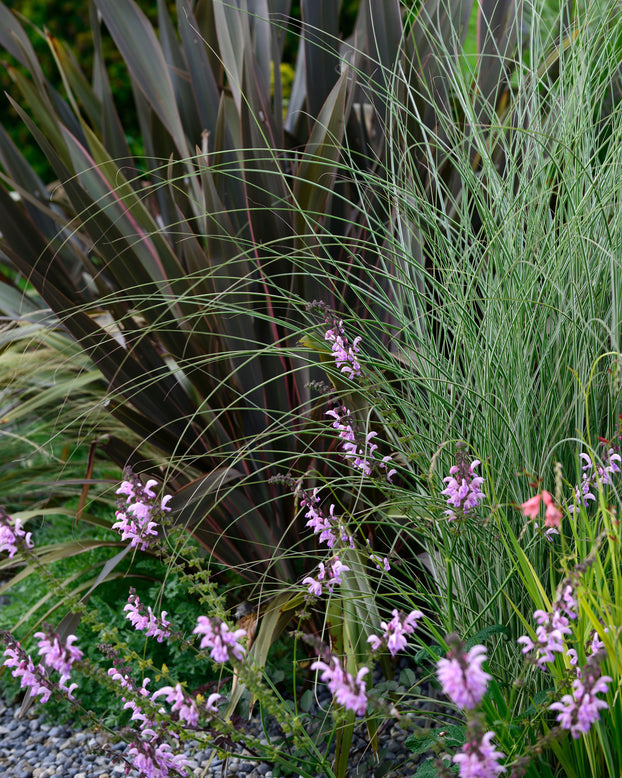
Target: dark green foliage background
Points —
{"points": [[69, 22]]}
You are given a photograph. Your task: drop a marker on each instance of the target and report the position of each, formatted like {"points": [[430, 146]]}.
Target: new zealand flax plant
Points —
{"points": [[179, 278]]}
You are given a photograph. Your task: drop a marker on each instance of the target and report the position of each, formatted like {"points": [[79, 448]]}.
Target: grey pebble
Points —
{"points": [[36, 749]]}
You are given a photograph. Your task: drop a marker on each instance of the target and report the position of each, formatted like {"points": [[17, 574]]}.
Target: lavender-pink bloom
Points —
{"points": [[479, 759], [396, 632], [593, 475], [12, 534], [328, 576], [464, 488], [59, 658], [154, 626], [329, 528], [358, 451], [222, 642], [579, 710], [345, 354], [552, 627], [136, 516], [461, 675], [32, 677], [180, 703], [347, 691], [155, 759], [210, 704]]}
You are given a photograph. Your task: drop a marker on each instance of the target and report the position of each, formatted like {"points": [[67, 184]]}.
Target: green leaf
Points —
{"points": [[199, 69], [487, 632], [233, 35], [429, 770], [497, 25], [306, 701], [540, 699], [451, 737], [431, 652]]}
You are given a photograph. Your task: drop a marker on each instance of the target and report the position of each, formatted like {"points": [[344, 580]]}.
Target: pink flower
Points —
{"points": [[358, 451], [56, 656], [180, 703], [552, 515], [464, 487], [331, 576], [329, 528], [531, 507], [552, 627], [479, 759], [12, 534], [461, 675], [210, 705], [155, 759], [396, 632], [32, 677], [154, 626], [217, 636], [344, 352], [137, 513], [579, 710], [347, 691]]}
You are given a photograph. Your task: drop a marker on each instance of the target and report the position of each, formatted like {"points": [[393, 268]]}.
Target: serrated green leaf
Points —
{"points": [[408, 678], [451, 737], [487, 632], [540, 699], [431, 652]]}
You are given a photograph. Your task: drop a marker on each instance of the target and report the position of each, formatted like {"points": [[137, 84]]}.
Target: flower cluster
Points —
{"points": [[358, 451], [579, 710], [328, 576], [222, 642], [478, 757], [593, 475], [396, 632], [185, 706], [55, 655], [12, 534], [151, 750], [382, 563], [137, 513], [60, 657], [146, 621], [552, 514], [154, 758], [344, 352], [347, 690], [465, 683], [328, 527], [461, 674], [552, 627], [32, 677], [464, 488]]}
